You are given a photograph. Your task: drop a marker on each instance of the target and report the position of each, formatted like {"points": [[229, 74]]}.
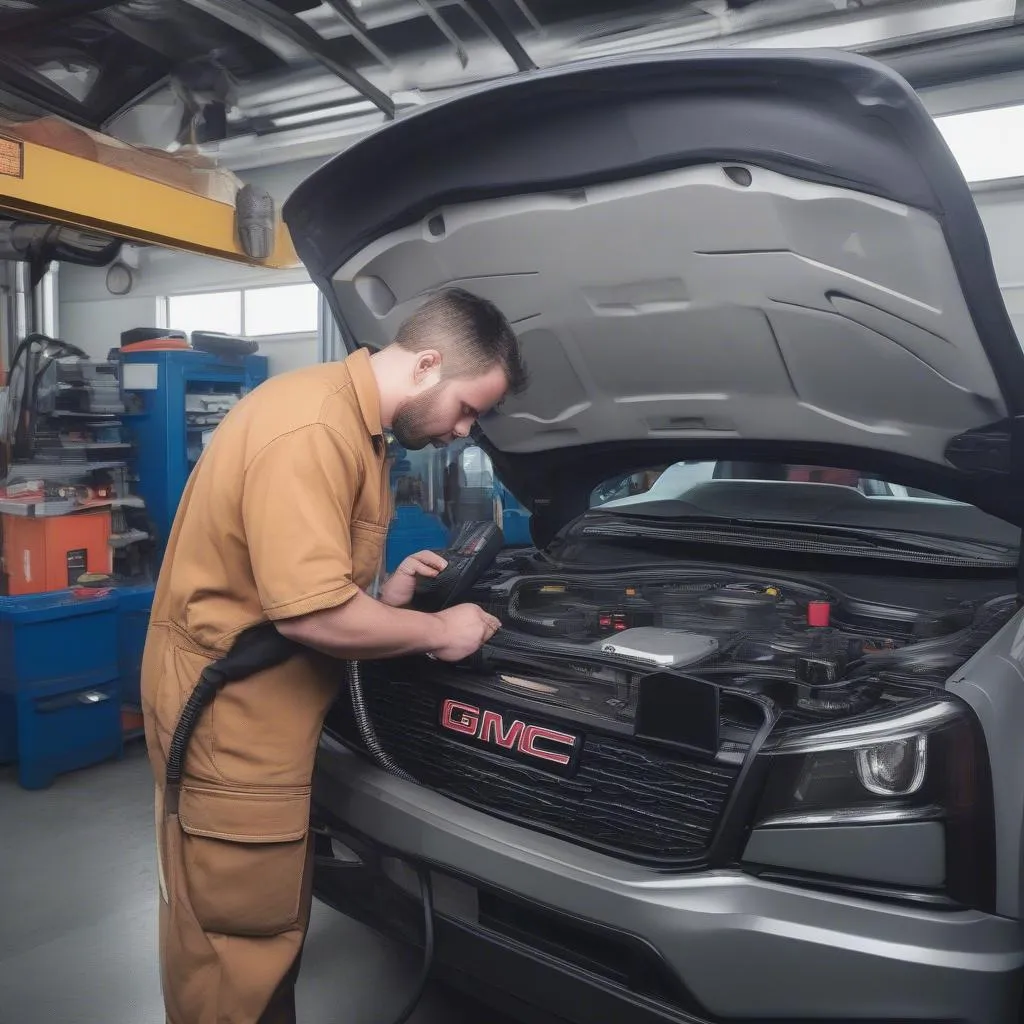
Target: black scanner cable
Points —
{"points": [[255, 650]]}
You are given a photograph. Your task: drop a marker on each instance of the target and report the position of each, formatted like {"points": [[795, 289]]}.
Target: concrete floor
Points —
{"points": [[78, 917]]}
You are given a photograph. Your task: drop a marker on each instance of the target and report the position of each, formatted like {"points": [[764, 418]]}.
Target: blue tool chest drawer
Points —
{"points": [[63, 731], [59, 684]]}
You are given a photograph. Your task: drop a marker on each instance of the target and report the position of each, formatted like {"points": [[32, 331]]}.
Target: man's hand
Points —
{"points": [[401, 585], [464, 630]]}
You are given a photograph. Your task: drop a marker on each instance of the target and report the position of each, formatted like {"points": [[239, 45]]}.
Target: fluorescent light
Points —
{"points": [[987, 144]]}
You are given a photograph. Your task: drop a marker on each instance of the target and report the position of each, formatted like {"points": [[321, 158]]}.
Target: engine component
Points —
{"points": [[806, 647], [813, 672], [662, 648], [818, 613], [743, 601], [558, 618]]}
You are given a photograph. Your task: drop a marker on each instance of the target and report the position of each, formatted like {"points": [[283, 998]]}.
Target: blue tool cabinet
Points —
{"points": [[158, 388], [60, 691]]}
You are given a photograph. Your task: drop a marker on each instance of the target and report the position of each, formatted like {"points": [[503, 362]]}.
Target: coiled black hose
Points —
{"points": [[254, 650], [205, 689], [365, 726]]}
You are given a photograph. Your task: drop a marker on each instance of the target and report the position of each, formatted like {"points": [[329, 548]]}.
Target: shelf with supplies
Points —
{"points": [[67, 509]]}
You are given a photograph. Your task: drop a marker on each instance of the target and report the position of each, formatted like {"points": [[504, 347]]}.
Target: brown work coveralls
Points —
{"points": [[286, 514]]}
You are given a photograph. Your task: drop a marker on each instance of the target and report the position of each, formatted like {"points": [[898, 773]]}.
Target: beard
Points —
{"points": [[415, 419]]}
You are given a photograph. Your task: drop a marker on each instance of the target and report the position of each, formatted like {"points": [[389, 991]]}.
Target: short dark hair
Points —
{"points": [[472, 334]]}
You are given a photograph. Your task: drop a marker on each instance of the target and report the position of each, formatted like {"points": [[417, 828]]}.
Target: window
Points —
{"points": [[209, 311], [988, 144], [250, 312], [282, 309]]}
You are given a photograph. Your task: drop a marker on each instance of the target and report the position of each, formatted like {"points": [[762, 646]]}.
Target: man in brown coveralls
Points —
{"points": [[284, 519]]}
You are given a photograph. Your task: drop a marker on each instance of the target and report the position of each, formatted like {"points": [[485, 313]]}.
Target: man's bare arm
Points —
{"points": [[363, 628]]}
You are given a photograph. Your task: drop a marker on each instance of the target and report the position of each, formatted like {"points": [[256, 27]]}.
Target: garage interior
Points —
{"points": [[262, 93]]}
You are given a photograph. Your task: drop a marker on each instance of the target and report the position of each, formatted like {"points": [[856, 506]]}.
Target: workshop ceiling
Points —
{"points": [[255, 81]]}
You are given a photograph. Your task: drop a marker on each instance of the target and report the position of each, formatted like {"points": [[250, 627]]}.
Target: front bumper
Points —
{"points": [[714, 946]]}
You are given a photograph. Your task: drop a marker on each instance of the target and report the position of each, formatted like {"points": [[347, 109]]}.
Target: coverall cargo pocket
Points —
{"points": [[244, 855]]}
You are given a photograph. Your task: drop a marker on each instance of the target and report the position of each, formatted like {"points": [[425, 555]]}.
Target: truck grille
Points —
{"points": [[635, 802]]}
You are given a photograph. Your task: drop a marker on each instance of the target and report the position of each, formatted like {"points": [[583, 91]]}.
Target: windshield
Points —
{"points": [[794, 494]]}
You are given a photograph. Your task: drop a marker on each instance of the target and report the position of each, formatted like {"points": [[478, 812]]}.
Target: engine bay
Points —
{"points": [[808, 647]]}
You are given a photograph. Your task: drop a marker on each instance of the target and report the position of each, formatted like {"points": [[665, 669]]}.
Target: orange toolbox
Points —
{"points": [[45, 553]]}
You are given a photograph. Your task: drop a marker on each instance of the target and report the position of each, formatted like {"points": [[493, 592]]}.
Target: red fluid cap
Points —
{"points": [[818, 613]]}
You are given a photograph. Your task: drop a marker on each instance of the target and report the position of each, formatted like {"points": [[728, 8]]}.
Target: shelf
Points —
{"points": [[121, 541], [48, 470]]}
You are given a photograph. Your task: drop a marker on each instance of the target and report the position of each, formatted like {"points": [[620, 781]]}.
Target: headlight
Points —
{"points": [[894, 769], [922, 762]]}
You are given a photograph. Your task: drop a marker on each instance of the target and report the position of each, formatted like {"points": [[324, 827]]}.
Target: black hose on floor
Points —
{"points": [[381, 756], [427, 895]]}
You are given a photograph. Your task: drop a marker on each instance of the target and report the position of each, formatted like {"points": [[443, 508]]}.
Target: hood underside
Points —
{"points": [[756, 254]]}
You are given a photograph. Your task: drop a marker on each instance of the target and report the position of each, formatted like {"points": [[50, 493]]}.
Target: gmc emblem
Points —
{"points": [[491, 729]]}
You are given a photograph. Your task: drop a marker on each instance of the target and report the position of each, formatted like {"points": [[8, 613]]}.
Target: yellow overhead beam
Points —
{"points": [[52, 185]]}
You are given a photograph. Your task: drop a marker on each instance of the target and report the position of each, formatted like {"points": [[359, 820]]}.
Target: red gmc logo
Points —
{"points": [[489, 727]]}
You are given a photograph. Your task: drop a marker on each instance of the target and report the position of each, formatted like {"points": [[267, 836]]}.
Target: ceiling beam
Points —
{"points": [[344, 10], [495, 24], [446, 30], [259, 19], [972, 55], [525, 11]]}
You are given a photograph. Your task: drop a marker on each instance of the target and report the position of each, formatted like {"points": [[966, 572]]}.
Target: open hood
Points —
{"points": [[765, 255]]}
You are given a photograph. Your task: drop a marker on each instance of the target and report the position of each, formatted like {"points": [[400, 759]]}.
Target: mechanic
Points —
{"points": [[284, 520]]}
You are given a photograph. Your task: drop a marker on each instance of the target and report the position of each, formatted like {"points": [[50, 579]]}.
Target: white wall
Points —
{"points": [[289, 352], [96, 324]]}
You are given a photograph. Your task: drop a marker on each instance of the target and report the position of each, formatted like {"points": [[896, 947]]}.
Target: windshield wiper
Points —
{"points": [[809, 538], [930, 542]]}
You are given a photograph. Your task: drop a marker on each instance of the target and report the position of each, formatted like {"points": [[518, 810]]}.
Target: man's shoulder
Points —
{"points": [[297, 398]]}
